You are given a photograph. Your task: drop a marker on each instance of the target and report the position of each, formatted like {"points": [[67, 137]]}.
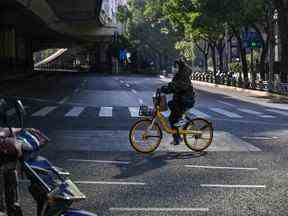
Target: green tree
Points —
{"points": [[212, 20], [146, 27]]}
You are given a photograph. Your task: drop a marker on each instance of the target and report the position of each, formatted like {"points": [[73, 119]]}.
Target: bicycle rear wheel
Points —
{"points": [[200, 136], [144, 137]]}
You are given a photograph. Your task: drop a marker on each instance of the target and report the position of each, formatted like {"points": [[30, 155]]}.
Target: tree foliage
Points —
{"points": [[146, 26]]}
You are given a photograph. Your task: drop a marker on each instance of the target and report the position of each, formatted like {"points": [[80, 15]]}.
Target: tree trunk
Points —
{"points": [[205, 52], [213, 54], [243, 57], [262, 66], [264, 53], [220, 49]]}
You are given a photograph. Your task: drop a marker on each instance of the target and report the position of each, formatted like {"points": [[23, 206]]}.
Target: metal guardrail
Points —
{"points": [[281, 88]]}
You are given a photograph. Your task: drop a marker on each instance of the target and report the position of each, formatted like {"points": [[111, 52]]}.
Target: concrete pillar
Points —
{"points": [[7, 50]]}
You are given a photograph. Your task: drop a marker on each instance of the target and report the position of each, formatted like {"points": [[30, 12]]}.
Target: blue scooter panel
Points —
{"points": [[78, 212]]}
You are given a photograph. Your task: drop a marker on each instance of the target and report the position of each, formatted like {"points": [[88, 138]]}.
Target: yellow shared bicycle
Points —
{"points": [[146, 134]]}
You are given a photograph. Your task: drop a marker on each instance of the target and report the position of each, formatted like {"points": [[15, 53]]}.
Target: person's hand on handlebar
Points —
{"points": [[165, 90]]}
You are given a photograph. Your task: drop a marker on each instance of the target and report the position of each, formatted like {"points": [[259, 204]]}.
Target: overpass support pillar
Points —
{"points": [[16, 55]]}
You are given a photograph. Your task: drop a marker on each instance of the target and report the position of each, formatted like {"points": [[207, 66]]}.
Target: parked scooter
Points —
{"points": [[50, 186]]}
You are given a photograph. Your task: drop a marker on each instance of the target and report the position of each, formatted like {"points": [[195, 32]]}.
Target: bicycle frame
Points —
{"points": [[165, 125]]}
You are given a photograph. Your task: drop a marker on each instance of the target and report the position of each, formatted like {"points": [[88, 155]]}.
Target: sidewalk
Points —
{"points": [[252, 96]]}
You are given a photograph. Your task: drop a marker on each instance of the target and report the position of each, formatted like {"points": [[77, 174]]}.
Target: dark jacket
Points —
{"points": [[181, 83]]}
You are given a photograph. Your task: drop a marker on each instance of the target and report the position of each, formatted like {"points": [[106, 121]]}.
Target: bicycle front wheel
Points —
{"points": [[199, 134], [145, 137]]}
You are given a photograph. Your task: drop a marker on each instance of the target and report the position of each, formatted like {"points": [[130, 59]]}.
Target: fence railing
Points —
{"points": [[281, 88]]}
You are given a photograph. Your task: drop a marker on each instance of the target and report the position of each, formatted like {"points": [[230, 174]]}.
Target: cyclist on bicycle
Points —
{"points": [[183, 95]]}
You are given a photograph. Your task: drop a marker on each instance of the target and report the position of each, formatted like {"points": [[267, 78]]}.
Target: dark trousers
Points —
{"points": [[177, 110], [9, 196]]}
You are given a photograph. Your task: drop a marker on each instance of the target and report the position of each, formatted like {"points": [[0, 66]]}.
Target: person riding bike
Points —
{"points": [[11, 150], [183, 95]]}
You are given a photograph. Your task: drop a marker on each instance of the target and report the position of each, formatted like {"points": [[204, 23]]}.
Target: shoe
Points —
{"points": [[175, 143], [179, 124]]}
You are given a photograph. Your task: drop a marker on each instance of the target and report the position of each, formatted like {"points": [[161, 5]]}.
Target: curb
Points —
{"points": [[254, 92]]}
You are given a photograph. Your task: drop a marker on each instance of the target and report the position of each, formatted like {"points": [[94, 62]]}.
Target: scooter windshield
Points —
{"points": [[67, 190]]}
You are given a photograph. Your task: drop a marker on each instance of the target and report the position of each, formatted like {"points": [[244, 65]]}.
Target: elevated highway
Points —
{"points": [[27, 26]]}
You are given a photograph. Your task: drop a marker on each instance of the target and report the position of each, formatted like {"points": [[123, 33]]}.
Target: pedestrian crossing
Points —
{"points": [[75, 112], [226, 113], [44, 111], [133, 112], [106, 112]]}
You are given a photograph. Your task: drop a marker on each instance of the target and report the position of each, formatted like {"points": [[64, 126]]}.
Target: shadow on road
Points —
{"points": [[141, 163]]}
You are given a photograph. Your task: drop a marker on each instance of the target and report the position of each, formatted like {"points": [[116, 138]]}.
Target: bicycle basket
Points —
{"points": [[162, 102], [146, 111]]}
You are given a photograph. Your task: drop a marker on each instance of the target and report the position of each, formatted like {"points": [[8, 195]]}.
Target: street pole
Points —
{"points": [[252, 68], [271, 50]]}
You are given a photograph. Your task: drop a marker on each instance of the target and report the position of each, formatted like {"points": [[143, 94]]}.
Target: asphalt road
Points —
{"points": [[88, 117]]}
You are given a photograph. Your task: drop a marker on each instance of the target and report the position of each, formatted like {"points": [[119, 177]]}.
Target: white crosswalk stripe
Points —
{"points": [[44, 111], [106, 112], [75, 112], [198, 113], [226, 113], [267, 116], [134, 112], [227, 104], [253, 112], [278, 112]]}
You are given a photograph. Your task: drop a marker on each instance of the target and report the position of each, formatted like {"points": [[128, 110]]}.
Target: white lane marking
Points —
{"points": [[233, 186], [110, 183], [106, 112], [101, 183], [226, 103], [64, 100], [75, 112], [134, 112], [100, 161], [11, 112], [225, 168], [134, 91], [44, 111], [160, 209], [127, 85], [278, 112], [121, 81], [261, 138], [141, 101], [252, 112], [267, 116], [198, 113], [226, 113]]}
